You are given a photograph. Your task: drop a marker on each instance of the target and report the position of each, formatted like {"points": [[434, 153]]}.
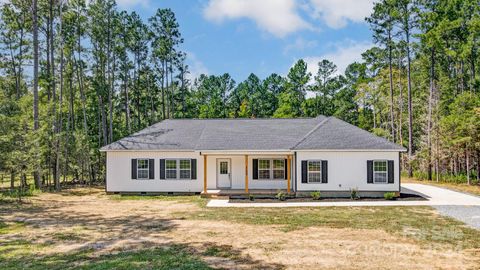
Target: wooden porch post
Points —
{"points": [[205, 174], [288, 173], [246, 173]]}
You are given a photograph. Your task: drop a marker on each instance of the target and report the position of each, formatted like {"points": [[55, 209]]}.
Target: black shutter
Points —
{"points": [[151, 168], [324, 171], [390, 171], [193, 168], [134, 168], [370, 171], [304, 171], [285, 168], [162, 168], [255, 168]]}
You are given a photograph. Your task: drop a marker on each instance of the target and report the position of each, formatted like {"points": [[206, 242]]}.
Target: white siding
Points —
{"points": [[119, 174], [347, 170]]}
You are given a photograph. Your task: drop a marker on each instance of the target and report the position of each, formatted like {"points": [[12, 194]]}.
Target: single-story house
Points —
{"points": [[253, 155]]}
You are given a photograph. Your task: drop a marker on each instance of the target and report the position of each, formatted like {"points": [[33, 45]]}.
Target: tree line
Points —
{"points": [[78, 76]]}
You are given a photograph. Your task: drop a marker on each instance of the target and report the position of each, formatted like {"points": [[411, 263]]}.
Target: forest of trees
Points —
{"points": [[76, 76]]}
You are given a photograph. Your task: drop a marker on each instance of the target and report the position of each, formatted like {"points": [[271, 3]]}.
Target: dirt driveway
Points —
{"points": [[85, 219]]}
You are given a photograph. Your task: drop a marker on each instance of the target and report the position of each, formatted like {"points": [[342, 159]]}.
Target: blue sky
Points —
{"points": [[265, 36]]}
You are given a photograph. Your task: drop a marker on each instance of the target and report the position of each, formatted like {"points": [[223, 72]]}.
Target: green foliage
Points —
{"points": [[354, 194], [389, 196], [281, 196], [315, 195]]}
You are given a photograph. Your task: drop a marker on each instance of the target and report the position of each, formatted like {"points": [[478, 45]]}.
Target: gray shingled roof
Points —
{"points": [[334, 133], [252, 134]]}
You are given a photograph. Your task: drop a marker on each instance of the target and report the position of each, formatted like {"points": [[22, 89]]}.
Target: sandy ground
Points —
{"points": [[86, 218]]}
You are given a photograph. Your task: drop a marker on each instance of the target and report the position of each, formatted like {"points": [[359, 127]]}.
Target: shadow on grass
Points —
{"points": [[130, 241], [170, 256]]}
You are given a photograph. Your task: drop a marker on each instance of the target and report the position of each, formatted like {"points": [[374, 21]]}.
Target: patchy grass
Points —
{"points": [[419, 223], [169, 198], [82, 228], [11, 227], [462, 187], [168, 257]]}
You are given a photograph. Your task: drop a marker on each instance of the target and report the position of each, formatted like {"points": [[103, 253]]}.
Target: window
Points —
{"points": [[263, 169], [271, 169], [171, 169], [380, 171], [142, 169], [185, 169], [278, 169], [223, 167], [314, 171], [178, 169]]}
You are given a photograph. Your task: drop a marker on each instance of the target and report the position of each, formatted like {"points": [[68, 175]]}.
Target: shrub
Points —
{"points": [[354, 194], [281, 196], [315, 195], [251, 197], [389, 195]]}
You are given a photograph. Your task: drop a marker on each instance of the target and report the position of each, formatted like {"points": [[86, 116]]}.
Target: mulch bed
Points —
{"points": [[272, 199]]}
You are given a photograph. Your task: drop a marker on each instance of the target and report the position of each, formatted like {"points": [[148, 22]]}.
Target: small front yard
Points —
{"points": [[84, 228]]}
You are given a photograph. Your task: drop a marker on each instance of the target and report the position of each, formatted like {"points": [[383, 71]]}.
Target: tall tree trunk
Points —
{"points": [[127, 106], [172, 96], [12, 179], [37, 176], [59, 125], [478, 167], [163, 91], [467, 159], [400, 105], [429, 119], [52, 48], [410, 109], [103, 119], [392, 118]]}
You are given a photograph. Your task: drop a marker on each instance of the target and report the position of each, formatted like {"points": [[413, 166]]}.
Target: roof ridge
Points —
{"points": [[311, 131]]}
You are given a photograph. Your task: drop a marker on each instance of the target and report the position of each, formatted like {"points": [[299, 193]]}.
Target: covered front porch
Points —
{"points": [[239, 173]]}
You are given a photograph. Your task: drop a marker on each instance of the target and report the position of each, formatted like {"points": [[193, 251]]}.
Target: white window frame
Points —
{"points": [[382, 172], [278, 169], [178, 170], [143, 169], [319, 172], [175, 170], [179, 173], [271, 169]]}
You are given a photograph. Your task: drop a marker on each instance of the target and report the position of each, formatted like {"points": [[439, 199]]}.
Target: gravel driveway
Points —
{"points": [[468, 214], [454, 204]]}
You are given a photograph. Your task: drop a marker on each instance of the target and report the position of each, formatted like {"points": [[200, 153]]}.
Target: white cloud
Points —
{"points": [[300, 44], [278, 17], [337, 13], [196, 66], [132, 3], [342, 56]]}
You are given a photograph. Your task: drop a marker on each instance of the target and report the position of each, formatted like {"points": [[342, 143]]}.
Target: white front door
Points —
{"points": [[224, 175]]}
